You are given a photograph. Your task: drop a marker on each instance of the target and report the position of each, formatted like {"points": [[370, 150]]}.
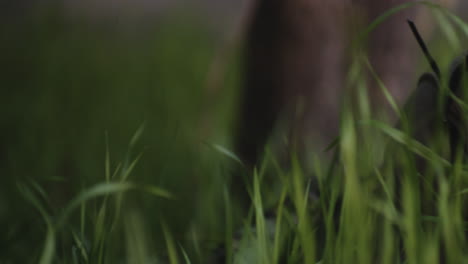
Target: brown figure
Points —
{"points": [[297, 54]]}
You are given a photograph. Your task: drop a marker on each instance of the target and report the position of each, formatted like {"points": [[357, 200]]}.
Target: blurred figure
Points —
{"points": [[297, 57]]}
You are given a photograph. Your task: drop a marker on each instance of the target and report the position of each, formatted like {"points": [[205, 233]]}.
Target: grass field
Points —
{"points": [[102, 160]]}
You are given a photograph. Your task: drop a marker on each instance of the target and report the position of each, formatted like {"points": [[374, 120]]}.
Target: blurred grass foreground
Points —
{"points": [[102, 162]]}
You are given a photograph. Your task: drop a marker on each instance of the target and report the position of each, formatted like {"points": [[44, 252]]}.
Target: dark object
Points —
{"points": [[430, 107], [261, 100], [423, 46]]}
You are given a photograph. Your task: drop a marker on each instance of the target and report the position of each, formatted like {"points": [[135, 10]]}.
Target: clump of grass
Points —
{"points": [[388, 197], [90, 243]]}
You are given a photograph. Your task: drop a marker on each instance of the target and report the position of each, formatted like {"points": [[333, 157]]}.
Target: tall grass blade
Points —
{"points": [[262, 239], [171, 248], [104, 189], [413, 145]]}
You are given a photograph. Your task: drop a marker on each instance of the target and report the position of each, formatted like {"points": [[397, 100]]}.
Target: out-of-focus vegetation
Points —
{"points": [[67, 82], [104, 159]]}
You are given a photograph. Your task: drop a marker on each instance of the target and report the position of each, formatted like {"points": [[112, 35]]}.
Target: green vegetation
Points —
{"points": [[102, 162]]}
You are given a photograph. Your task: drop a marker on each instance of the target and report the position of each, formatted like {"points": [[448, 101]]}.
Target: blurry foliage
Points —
{"points": [[68, 81]]}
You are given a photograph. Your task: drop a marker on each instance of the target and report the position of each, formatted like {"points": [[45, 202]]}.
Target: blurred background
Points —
{"points": [[77, 74], [72, 72]]}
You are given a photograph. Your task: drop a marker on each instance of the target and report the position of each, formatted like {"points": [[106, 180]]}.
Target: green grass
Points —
{"points": [[103, 161]]}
